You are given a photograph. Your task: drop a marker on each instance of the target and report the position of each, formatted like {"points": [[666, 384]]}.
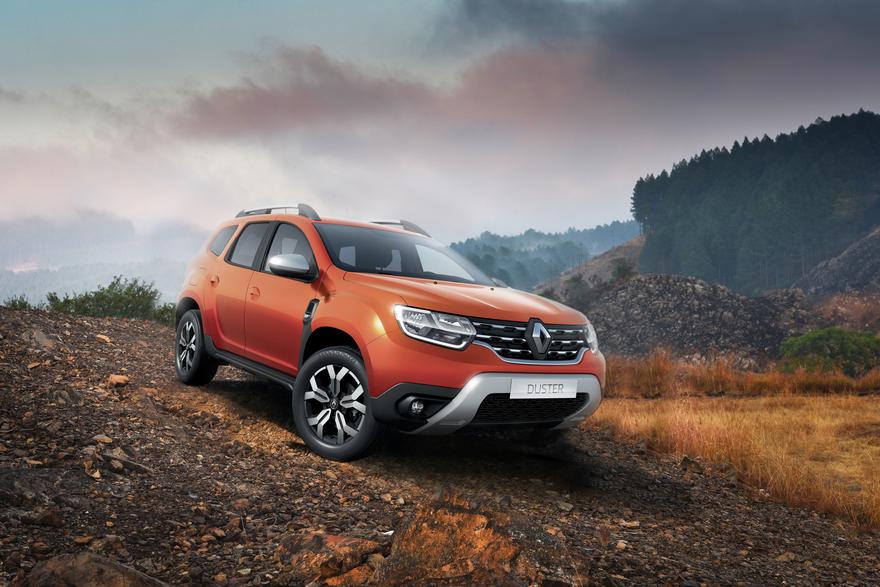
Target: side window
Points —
{"points": [[248, 243], [438, 264], [289, 240], [219, 242]]}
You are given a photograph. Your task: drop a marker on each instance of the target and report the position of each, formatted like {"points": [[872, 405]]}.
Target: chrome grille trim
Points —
{"points": [[507, 341]]}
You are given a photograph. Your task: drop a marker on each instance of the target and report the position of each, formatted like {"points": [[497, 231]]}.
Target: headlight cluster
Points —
{"points": [[592, 341], [454, 332]]}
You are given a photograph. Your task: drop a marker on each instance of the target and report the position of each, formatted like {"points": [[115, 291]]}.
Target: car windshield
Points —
{"points": [[374, 250]]}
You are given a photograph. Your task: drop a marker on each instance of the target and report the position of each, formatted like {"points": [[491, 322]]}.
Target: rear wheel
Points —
{"points": [[331, 410], [194, 365]]}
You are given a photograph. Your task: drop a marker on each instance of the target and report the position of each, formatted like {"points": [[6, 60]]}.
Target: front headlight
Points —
{"points": [[455, 332], [592, 341]]}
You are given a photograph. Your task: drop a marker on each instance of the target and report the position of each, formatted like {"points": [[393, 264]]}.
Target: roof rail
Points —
{"points": [[404, 224], [301, 209]]}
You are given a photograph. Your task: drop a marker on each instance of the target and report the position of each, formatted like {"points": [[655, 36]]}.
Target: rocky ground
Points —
{"points": [[696, 319], [111, 472]]}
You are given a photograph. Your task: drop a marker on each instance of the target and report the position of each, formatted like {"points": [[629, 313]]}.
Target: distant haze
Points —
{"points": [[461, 115]]}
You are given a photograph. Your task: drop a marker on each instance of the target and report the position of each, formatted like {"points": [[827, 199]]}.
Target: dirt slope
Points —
{"points": [[210, 486]]}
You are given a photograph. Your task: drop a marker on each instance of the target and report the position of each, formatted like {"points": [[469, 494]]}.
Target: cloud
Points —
{"points": [[307, 88], [10, 96]]}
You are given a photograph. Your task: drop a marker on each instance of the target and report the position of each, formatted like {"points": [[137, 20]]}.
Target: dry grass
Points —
{"points": [[661, 375], [817, 452]]}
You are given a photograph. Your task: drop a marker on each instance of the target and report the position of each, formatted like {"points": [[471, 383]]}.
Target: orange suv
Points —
{"points": [[375, 323]]}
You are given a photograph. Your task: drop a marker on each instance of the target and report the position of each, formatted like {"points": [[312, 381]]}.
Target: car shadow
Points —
{"points": [[484, 460]]}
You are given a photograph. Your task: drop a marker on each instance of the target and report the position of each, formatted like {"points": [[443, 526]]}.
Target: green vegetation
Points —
{"points": [[18, 303], [832, 349], [121, 298], [759, 215], [527, 259]]}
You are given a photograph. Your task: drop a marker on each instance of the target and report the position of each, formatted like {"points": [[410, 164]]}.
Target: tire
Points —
{"points": [[337, 403], [194, 365]]}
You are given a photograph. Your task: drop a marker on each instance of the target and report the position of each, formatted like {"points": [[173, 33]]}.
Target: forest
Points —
{"points": [[757, 216], [529, 258]]}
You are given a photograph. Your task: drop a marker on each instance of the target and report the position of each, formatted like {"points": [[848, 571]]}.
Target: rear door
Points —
{"points": [[276, 305], [229, 286]]}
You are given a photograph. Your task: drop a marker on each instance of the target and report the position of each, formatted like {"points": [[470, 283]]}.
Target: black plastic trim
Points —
{"points": [[385, 406], [311, 308], [248, 365]]}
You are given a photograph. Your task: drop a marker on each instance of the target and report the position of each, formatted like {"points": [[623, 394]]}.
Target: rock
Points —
{"points": [[44, 341], [102, 439], [453, 539], [311, 556], [621, 545], [564, 506], [116, 380], [630, 525], [104, 338], [85, 569]]}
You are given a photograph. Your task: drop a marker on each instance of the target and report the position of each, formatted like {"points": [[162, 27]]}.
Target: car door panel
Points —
{"points": [[228, 286], [275, 305]]}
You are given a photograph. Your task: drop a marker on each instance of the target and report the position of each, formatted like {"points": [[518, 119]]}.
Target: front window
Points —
{"points": [[374, 250]]}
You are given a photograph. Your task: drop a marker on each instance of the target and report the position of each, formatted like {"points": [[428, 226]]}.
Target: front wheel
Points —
{"points": [[331, 410]]}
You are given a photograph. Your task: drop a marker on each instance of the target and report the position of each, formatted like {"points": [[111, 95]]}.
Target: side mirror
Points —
{"points": [[291, 265]]}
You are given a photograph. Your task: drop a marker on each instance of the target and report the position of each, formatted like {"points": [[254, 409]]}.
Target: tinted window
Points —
{"points": [[288, 240], [219, 242], [374, 250], [247, 244]]}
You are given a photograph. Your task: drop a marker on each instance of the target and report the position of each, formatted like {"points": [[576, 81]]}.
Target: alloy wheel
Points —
{"points": [[186, 346], [334, 404]]}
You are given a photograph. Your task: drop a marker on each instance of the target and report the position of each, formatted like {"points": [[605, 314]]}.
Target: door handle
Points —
{"points": [[214, 280], [254, 292]]}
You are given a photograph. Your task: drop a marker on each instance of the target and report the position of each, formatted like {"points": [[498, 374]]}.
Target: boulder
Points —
{"points": [[454, 540], [85, 570]]}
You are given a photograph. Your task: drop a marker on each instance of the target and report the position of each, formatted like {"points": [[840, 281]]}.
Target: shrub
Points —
{"points": [[832, 349], [122, 298], [18, 303]]}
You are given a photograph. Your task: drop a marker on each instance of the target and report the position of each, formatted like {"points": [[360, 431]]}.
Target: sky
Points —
{"points": [[459, 115]]}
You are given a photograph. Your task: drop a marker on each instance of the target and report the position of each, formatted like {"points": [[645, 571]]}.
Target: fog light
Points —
{"points": [[416, 407]]}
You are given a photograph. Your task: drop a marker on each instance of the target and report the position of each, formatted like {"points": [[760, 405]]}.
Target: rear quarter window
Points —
{"points": [[219, 242]]}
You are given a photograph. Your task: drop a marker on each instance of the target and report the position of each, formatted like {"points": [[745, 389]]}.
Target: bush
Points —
{"points": [[122, 298], [18, 303], [832, 349]]}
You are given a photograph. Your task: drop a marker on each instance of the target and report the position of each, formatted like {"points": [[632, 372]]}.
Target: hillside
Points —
{"points": [[760, 215], [526, 259], [695, 319], [135, 476], [600, 269], [856, 269]]}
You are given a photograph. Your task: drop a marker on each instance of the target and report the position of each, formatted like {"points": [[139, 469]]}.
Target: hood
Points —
{"points": [[465, 299]]}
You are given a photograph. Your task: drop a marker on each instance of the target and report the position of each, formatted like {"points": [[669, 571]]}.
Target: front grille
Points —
{"points": [[498, 408], [508, 340]]}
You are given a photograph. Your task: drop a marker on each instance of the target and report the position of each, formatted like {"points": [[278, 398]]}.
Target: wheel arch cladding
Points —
{"points": [[184, 305], [326, 337]]}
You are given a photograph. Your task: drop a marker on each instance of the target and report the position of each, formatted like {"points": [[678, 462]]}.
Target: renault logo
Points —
{"points": [[539, 339]]}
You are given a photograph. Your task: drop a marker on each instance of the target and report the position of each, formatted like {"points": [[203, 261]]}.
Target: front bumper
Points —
{"points": [[461, 408]]}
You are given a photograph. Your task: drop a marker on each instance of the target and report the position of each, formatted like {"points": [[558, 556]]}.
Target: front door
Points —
{"points": [[275, 305]]}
